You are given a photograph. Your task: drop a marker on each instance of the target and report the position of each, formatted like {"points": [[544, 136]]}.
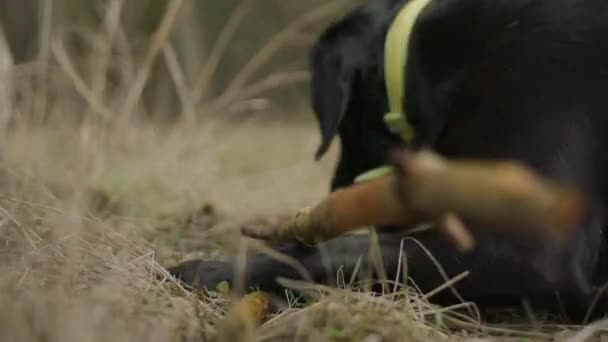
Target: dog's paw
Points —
{"points": [[202, 274]]}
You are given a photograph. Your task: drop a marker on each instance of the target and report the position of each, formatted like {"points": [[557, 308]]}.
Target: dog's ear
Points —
{"points": [[336, 59], [332, 78]]}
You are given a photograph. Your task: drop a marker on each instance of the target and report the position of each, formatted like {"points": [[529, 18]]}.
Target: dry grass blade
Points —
{"points": [[126, 64], [446, 285], [158, 41], [261, 247], [6, 87], [44, 54], [180, 82], [102, 59], [270, 82], [64, 60], [274, 44], [444, 275], [205, 77]]}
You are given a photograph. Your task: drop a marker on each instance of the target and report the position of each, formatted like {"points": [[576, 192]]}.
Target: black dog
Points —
{"points": [[515, 79]]}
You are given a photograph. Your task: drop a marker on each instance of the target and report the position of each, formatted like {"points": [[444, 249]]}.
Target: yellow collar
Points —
{"points": [[395, 59]]}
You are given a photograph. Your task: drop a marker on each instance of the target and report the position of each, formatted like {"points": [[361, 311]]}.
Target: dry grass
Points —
{"points": [[94, 199], [88, 219], [85, 224]]}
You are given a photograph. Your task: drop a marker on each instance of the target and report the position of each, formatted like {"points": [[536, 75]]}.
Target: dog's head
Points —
{"points": [[347, 89]]}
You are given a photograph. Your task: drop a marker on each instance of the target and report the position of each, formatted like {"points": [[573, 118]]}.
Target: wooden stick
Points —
{"points": [[500, 195]]}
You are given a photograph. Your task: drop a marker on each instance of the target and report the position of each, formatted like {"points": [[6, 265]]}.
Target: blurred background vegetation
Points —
{"points": [[184, 57]]}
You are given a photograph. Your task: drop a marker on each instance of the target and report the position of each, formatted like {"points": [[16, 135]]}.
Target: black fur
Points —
{"points": [[521, 79]]}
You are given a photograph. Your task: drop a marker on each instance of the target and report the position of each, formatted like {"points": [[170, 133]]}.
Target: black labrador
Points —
{"points": [[512, 79]]}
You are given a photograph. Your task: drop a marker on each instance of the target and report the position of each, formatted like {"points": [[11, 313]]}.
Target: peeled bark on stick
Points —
{"points": [[424, 187]]}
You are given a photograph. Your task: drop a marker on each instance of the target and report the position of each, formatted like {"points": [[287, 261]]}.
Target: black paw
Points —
{"points": [[202, 274]]}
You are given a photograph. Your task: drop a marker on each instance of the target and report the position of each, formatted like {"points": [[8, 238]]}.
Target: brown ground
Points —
{"points": [[87, 216]]}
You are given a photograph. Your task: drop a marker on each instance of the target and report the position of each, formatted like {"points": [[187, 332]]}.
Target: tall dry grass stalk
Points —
{"points": [[6, 88], [239, 85], [44, 56], [158, 40]]}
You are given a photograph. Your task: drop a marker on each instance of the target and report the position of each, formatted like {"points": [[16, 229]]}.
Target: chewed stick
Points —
{"points": [[424, 187]]}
